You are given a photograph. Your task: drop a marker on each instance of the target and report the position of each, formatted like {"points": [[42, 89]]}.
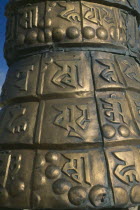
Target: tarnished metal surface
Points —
{"points": [[70, 122]]}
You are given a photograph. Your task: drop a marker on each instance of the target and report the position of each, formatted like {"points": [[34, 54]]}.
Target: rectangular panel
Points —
{"points": [[17, 123], [65, 21], [125, 174], [15, 178], [30, 24], [130, 70], [134, 99], [68, 179], [21, 80], [133, 34], [64, 72], [116, 120], [103, 24], [106, 71], [71, 121]]}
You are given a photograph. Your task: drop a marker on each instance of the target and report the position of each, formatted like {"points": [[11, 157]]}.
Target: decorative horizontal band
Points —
{"points": [[72, 178], [47, 75], [74, 23], [58, 94]]}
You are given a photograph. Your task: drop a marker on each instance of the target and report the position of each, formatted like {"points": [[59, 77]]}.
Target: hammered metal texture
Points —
{"points": [[70, 117]]}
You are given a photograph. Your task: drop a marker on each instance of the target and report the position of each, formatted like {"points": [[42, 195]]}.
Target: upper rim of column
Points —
{"points": [[132, 5], [45, 33]]}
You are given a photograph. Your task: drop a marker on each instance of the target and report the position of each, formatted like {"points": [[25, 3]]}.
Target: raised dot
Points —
{"points": [[49, 9], [41, 36], [109, 131], [40, 161], [52, 172], [48, 22], [122, 37], [48, 35], [16, 187], [113, 33], [72, 32], [51, 157], [121, 196], [3, 195], [39, 180], [98, 196], [135, 194], [36, 200], [31, 37], [58, 34], [61, 186], [124, 131], [113, 96], [49, 60], [88, 32], [20, 39], [41, 24], [77, 195], [102, 33], [52, 4]]}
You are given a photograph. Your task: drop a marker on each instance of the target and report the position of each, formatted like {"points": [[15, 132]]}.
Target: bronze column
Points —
{"points": [[70, 122]]}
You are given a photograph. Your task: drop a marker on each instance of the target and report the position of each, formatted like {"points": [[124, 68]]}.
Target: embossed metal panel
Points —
{"points": [[106, 71], [21, 79], [124, 173], [103, 24], [116, 119], [68, 121], [73, 23], [18, 123], [134, 99], [16, 178], [63, 73], [72, 177]]}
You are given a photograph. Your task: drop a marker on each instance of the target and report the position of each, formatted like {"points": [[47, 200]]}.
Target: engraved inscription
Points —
{"points": [[15, 164], [9, 165], [77, 168], [17, 123], [28, 17], [22, 77], [126, 171], [130, 70], [69, 13], [5, 159], [108, 73], [98, 15], [115, 109], [134, 99], [67, 75], [67, 119]]}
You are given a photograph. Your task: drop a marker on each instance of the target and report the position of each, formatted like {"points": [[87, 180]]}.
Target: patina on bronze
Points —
{"points": [[70, 122]]}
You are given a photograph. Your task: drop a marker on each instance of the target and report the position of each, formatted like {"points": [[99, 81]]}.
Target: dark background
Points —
{"points": [[3, 66]]}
